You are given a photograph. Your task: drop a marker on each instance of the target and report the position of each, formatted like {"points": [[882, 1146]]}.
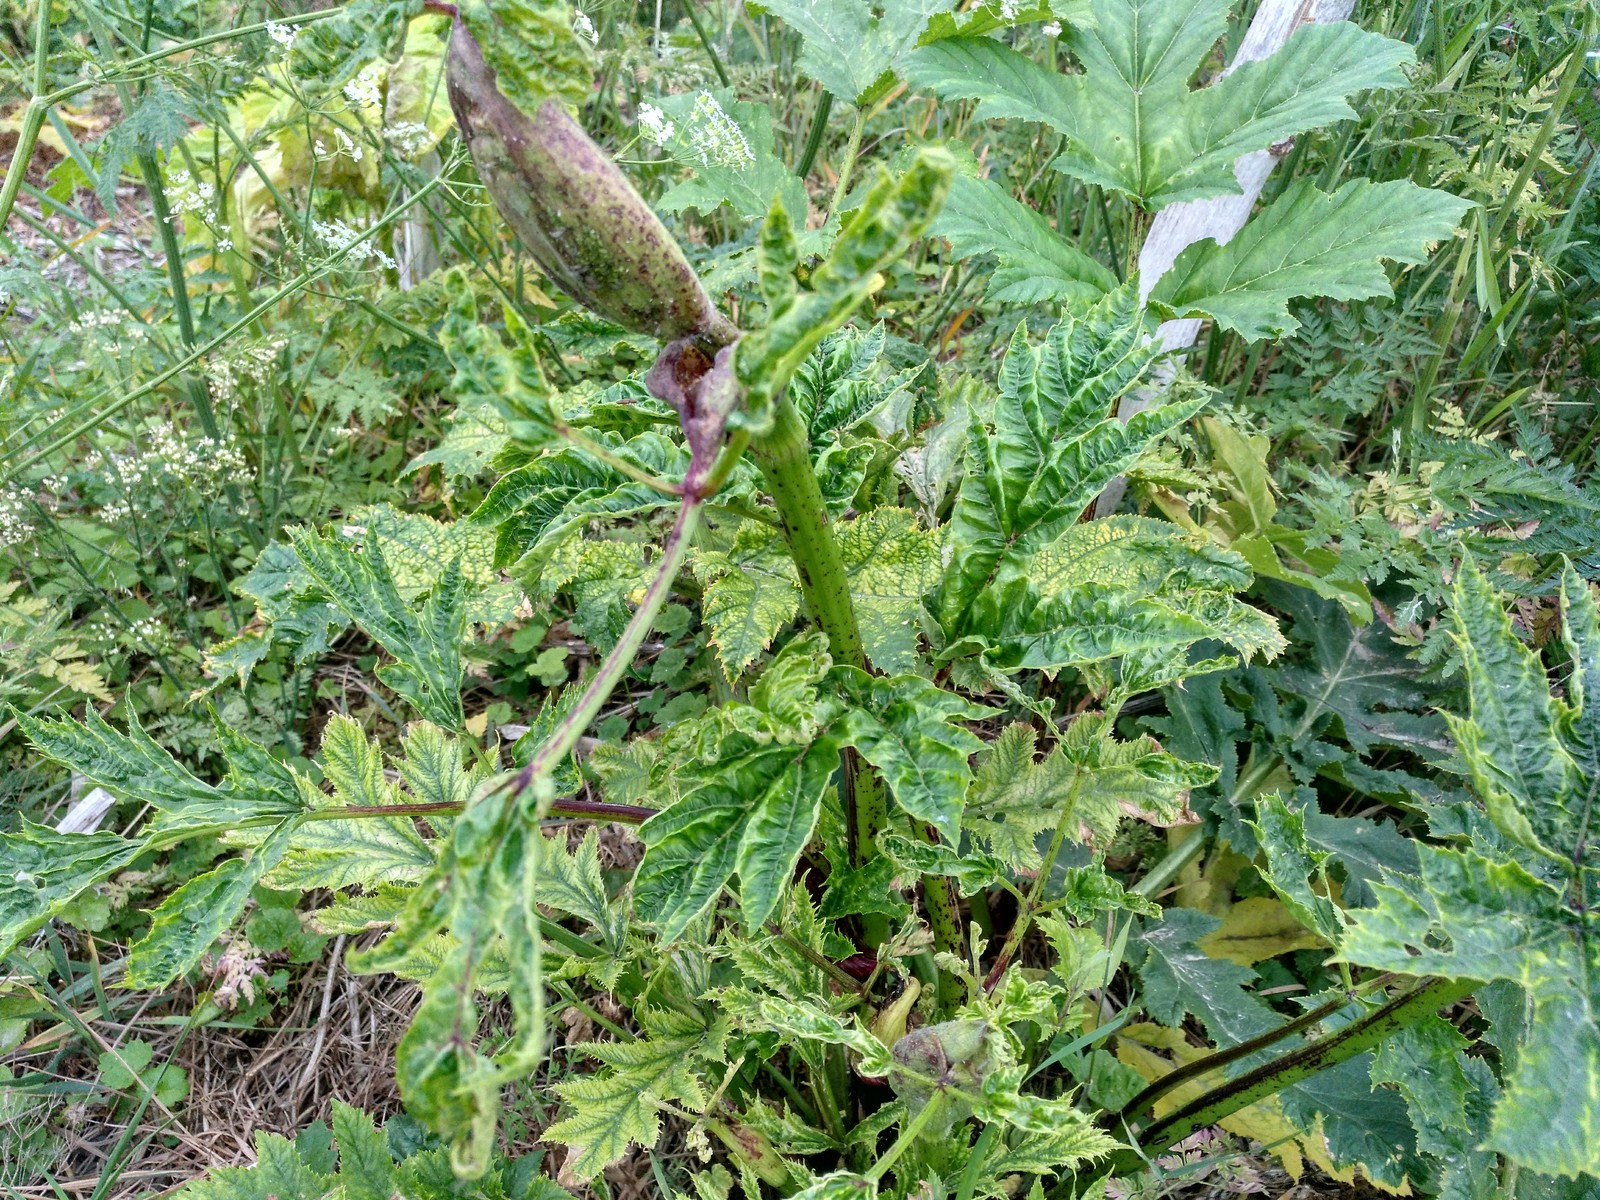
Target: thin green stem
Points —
{"points": [[673, 552], [848, 166], [244, 322], [819, 127], [909, 1133]]}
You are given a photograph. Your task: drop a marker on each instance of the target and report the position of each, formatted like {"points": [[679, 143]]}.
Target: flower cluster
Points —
{"points": [[190, 196], [408, 139], [655, 124], [584, 27], [92, 327], [356, 248], [366, 89], [15, 527], [347, 145], [284, 35], [170, 463], [715, 137], [250, 363]]}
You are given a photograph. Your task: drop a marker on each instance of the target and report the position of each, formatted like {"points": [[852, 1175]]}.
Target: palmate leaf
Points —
{"points": [[541, 505], [1035, 264], [617, 1106], [1054, 440], [852, 50], [1024, 630], [1307, 243], [1132, 122]]}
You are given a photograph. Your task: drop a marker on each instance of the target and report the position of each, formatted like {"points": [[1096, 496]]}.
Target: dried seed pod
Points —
{"points": [[575, 210]]}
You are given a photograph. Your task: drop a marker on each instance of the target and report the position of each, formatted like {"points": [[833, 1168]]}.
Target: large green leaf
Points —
{"points": [[618, 1106], [1034, 264], [425, 641], [45, 871], [894, 214], [1534, 789], [187, 923], [907, 727], [1131, 120], [754, 817], [337, 854], [853, 48], [1307, 243]]}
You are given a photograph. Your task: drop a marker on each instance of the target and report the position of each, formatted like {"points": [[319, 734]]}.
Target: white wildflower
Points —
{"points": [[352, 245], [1009, 9], [408, 138], [1052, 29], [284, 35], [348, 145], [584, 27], [716, 137], [657, 126], [15, 527], [365, 90], [190, 196]]}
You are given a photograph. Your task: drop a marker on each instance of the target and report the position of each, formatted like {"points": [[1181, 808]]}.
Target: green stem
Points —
{"points": [[108, 410], [909, 1133], [673, 551], [819, 126], [848, 166], [1030, 906], [1315, 1057], [784, 456]]}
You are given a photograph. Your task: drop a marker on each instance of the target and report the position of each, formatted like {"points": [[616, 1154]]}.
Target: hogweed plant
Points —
{"points": [[874, 945]]}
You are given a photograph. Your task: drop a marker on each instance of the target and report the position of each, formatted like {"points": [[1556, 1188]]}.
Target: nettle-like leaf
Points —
{"points": [[540, 506], [908, 728], [1131, 120], [297, 612], [1492, 913], [894, 214], [337, 854], [853, 48], [752, 590], [425, 641], [1090, 781], [473, 921], [46, 871], [617, 1107], [1027, 586], [1307, 243]]}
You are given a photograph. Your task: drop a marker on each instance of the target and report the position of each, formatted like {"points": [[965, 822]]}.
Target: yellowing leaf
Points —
{"points": [[1258, 929]]}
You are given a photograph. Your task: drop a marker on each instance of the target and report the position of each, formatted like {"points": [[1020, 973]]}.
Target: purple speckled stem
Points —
{"points": [[567, 732]]}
